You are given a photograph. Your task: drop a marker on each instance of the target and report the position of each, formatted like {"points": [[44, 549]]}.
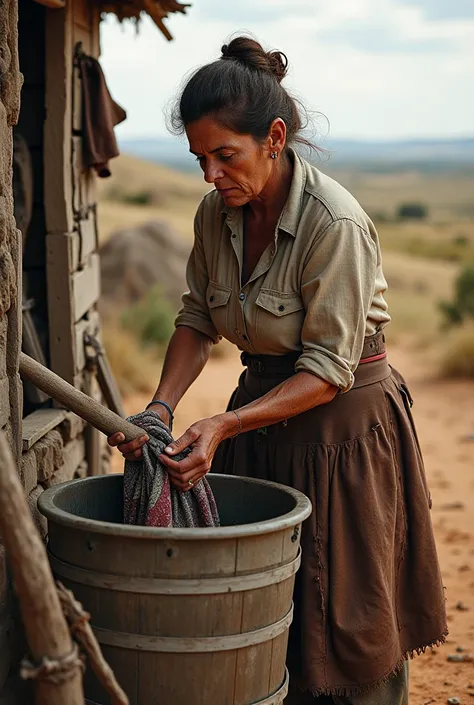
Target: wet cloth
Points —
{"points": [[149, 497], [317, 290], [100, 114], [369, 591]]}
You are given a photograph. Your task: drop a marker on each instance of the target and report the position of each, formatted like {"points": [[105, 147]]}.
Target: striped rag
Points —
{"points": [[149, 497]]}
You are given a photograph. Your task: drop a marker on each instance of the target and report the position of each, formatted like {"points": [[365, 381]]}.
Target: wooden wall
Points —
{"points": [[72, 259]]}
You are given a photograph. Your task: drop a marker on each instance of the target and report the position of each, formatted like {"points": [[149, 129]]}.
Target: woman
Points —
{"points": [[287, 266]]}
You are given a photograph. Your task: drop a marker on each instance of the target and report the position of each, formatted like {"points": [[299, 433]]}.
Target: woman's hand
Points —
{"points": [[133, 449], [203, 438]]}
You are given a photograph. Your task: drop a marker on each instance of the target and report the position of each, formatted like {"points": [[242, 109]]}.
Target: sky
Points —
{"points": [[367, 69]]}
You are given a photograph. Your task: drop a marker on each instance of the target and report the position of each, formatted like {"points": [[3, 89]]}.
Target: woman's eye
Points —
{"points": [[199, 159], [225, 157]]}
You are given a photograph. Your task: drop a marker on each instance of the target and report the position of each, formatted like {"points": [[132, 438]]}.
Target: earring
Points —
{"points": [[274, 155]]}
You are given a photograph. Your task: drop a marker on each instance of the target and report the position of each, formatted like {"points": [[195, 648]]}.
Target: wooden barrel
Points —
{"points": [[183, 616]]}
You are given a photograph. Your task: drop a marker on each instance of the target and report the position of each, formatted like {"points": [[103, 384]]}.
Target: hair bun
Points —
{"points": [[250, 53]]}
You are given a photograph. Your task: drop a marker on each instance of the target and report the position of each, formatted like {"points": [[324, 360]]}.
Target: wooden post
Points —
{"points": [[46, 629]]}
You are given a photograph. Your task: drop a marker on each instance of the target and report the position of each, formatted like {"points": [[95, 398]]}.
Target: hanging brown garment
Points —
{"points": [[100, 115]]}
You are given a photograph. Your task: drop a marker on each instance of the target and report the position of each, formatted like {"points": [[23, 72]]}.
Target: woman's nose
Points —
{"points": [[212, 173]]}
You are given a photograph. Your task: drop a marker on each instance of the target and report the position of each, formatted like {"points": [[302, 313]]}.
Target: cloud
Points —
{"points": [[375, 68], [250, 12], [444, 9], [384, 38]]}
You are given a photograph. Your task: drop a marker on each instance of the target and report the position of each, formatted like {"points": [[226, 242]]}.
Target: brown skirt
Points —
{"points": [[369, 591]]}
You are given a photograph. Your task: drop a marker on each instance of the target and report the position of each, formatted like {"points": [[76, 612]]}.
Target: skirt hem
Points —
{"points": [[345, 691]]}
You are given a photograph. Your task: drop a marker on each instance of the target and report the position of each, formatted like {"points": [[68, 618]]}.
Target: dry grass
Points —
{"points": [[457, 357], [421, 259], [448, 196], [172, 196], [135, 369], [415, 288]]}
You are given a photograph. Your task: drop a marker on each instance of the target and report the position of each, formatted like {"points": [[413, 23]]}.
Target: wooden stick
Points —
{"points": [[71, 398], [78, 620], [56, 666]]}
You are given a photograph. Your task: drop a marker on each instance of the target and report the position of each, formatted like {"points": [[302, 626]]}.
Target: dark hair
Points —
{"points": [[243, 91]]}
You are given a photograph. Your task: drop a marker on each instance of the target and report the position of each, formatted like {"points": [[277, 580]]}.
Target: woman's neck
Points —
{"points": [[274, 196]]}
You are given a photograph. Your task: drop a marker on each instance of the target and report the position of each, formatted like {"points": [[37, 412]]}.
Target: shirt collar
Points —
{"points": [[291, 213]]}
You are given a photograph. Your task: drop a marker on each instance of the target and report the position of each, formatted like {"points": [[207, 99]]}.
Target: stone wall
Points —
{"points": [[10, 389], [55, 450]]}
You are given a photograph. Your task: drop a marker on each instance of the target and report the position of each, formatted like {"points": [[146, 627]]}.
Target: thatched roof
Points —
{"points": [[132, 9]]}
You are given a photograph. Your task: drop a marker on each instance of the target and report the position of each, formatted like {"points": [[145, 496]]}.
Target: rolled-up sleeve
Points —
{"points": [[338, 284], [195, 311]]}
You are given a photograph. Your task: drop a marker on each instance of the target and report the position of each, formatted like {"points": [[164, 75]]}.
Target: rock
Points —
{"points": [[461, 658], [461, 607], [452, 505], [135, 259], [460, 649], [454, 701]]}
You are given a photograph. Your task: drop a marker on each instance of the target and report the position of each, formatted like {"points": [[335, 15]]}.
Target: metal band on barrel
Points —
{"points": [[165, 586], [275, 699], [192, 645]]}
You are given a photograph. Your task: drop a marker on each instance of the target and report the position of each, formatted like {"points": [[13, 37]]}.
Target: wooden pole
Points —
{"points": [[55, 663], [71, 398]]}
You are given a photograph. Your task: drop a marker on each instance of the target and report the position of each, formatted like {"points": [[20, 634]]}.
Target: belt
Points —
{"points": [[373, 365]]}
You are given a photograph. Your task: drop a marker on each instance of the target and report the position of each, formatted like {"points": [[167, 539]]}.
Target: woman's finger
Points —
{"points": [[194, 475], [134, 445], [187, 439], [136, 455], [115, 439], [185, 486], [190, 463]]}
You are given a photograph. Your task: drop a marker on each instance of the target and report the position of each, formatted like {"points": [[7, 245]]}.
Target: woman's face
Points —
{"points": [[237, 165]]}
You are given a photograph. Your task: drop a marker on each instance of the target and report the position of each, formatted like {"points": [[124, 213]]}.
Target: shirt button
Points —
{"points": [[241, 296], [281, 308], [234, 235], [211, 298]]}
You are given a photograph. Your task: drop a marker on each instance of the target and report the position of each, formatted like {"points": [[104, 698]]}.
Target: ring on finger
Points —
{"points": [[190, 483]]}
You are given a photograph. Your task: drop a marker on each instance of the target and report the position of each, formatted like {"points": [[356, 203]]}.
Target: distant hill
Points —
{"points": [[376, 156]]}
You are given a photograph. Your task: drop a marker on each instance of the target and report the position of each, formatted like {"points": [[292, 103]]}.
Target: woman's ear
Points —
{"points": [[277, 136]]}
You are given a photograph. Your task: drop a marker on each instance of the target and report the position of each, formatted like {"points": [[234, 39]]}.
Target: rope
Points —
{"points": [[78, 620], [149, 497], [54, 671]]}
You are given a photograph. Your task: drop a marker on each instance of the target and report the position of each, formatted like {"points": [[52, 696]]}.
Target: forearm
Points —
{"points": [[301, 392], [187, 353]]}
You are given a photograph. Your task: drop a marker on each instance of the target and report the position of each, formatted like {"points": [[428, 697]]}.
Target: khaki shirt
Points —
{"points": [[317, 290]]}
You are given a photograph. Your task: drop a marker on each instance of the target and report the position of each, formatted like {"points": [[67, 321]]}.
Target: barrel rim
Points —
{"points": [[49, 509]]}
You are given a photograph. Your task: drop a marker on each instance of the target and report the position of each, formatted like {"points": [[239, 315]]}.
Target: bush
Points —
{"points": [[139, 198], [151, 318], [458, 357], [134, 198], [134, 368], [416, 211], [462, 306]]}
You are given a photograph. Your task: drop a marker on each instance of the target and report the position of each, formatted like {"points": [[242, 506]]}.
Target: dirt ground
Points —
{"points": [[444, 412]]}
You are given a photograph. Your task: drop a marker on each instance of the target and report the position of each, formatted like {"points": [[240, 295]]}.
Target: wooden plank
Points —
{"points": [[86, 287], [4, 401], [60, 306], [57, 127], [37, 425], [87, 325], [83, 243]]}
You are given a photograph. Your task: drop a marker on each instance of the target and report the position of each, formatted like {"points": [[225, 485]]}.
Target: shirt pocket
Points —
{"points": [[279, 321], [217, 298]]}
